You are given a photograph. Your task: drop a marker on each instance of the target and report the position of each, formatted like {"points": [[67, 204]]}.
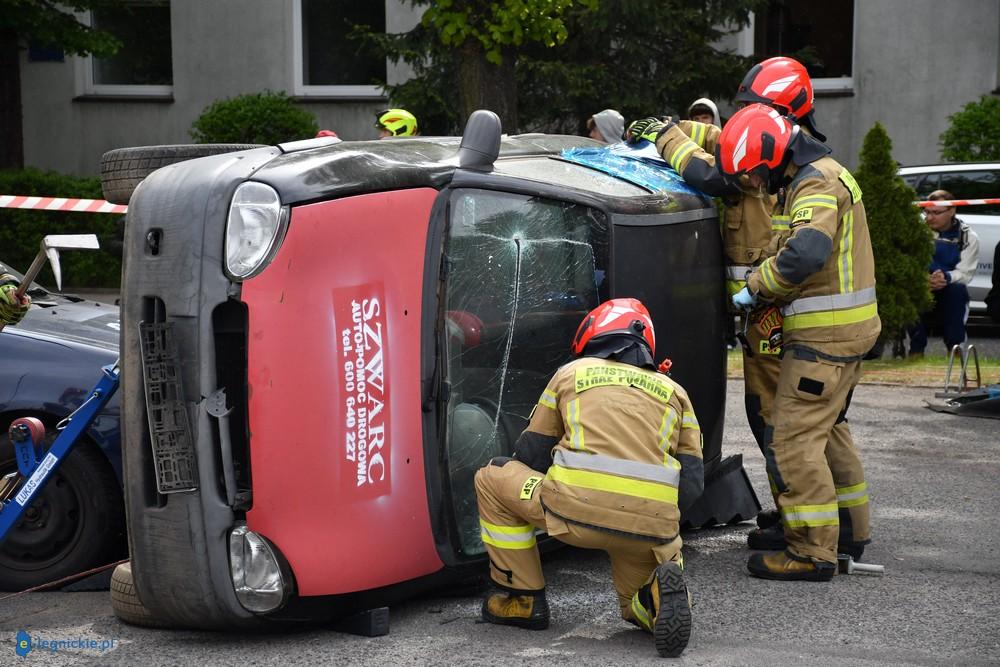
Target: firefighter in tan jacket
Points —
{"points": [[823, 277], [611, 454]]}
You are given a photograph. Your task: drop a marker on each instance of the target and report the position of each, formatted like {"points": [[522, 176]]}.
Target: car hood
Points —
{"points": [[86, 322]]}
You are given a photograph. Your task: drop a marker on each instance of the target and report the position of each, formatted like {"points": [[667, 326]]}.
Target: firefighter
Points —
{"points": [[611, 455], [395, 123], [753, 228], [823, 278], [12, 306]]}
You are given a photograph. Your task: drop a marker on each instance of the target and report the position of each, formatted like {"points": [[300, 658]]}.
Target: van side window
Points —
{"points": [[974, 185]]}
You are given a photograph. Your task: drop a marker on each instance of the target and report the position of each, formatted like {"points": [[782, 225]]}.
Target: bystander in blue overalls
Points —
{"points": [[956, 252]]}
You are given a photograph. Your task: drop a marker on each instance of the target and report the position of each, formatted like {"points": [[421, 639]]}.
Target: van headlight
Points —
{"points": [[255, 228], [261, 578]]}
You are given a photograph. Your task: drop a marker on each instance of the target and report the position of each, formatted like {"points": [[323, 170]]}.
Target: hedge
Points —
{"points": [[21, 231]]}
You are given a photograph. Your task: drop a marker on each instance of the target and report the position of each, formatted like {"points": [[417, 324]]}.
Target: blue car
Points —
{"points": [[48, 364]]}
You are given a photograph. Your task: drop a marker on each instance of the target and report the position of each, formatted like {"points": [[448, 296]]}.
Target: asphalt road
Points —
{"points": [[934, 490]]}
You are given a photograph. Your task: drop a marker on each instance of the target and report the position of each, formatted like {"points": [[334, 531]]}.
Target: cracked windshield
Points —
{"points": [[522, 273]]}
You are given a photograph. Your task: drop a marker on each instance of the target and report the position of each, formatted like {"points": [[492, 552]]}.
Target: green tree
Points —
{"points": [[258, 118], [641, 57], [974, 134], [46, 24], [901, 241]]}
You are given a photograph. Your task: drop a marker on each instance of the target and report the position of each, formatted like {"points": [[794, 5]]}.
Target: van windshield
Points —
{"points": [[521, 272]]}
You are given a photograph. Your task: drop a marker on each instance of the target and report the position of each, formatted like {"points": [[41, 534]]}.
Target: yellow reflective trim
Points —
{"points": [[682, 152], [667, 425], [831, 318], [640, 613], [780, 222], [851, 185], [767, 275], [845, 265], [548, 399], [689, 420], [699, 134], [853, 502], [625, 486], [734, 286], [825, 201], [589, 377], [575, 427], [507, 537], [811, 523], [844, 490]]}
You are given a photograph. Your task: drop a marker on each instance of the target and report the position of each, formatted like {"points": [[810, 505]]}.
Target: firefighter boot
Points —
{"points": [[773, 539], [663, 607], [786, 566], [525, 609]]}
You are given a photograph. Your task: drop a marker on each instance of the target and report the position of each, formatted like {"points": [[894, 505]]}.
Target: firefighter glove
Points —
{"points": [[647, 128], [12, 307], [745, 299]]}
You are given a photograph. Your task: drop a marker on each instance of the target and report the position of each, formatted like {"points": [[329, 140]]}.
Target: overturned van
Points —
{"points": [[322, 341]]}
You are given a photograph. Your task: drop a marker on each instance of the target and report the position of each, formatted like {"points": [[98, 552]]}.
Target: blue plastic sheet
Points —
{"points": [[636, 163]]}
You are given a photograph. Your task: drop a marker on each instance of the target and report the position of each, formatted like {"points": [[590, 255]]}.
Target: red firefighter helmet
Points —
{"points": [[755, 140], [615, 317], [780, 82]]}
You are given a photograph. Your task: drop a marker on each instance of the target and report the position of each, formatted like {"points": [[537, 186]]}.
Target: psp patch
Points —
{"points": [[528, 489], [802, 215]]}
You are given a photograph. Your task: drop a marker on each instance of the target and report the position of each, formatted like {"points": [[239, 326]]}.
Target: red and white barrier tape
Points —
{"points": [[958, 202], [61, 204]]}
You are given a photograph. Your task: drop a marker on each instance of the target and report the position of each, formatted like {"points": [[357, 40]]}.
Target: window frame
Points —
{"points": [[301, 89], [833, 85], [87, 87]]}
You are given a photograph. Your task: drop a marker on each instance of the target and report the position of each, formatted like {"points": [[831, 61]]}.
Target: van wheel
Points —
{"points": [[75, 523], [122, 169], [125, 600]]}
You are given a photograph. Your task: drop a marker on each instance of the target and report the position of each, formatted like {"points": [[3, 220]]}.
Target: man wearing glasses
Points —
{"points": [[956, 252]]}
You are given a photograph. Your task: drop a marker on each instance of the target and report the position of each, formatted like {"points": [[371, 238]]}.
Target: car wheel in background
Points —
{"points": [[122, 169], [77, 522]]}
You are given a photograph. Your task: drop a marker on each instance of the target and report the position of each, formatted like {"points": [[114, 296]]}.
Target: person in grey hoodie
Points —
{"points": [[703, 110], [607, 126]]}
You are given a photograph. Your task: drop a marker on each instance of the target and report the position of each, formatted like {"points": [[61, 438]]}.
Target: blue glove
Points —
{"points": [[744, 299]]}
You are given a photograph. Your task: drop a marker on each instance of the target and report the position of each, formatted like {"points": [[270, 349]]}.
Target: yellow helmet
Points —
{"points": [[398, 122]]}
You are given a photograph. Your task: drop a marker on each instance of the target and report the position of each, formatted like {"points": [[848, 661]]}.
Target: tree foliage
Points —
{"points": [[974, 134], [258, 118], [52, 24], [641, 57], [21, 231], [901, 241], [47, 24]]}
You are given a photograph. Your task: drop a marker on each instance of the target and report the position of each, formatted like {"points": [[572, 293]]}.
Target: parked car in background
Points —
{"points": [[49, 362], [967, 180]]}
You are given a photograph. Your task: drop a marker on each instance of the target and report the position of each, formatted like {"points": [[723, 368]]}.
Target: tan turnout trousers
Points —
{"points": [[814, 465], [510, 512]]}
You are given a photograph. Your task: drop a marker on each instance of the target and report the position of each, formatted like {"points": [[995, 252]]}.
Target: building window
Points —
{"points": [[820, 35], [327, 61], [143, 65]]}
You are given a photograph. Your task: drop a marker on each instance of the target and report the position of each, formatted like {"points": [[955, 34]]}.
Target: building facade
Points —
{"points": [[908, 64]]}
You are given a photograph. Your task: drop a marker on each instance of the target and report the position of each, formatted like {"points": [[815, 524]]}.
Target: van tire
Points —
{"points": [[125, 600], [122, 169]]}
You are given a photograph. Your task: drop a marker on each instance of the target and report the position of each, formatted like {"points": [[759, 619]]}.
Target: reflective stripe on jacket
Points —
{"points": [[627, 437], [824, 273]]}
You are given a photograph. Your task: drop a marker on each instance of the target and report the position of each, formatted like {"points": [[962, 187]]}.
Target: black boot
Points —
{"points": [[528, 609], [767, 518], [773, 539]]}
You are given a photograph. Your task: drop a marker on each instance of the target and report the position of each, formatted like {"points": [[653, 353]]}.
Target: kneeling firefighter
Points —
{"points": [[610, 457]]}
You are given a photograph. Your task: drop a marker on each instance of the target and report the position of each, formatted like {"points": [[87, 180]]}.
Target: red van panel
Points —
{"points": [[336, 444]]}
